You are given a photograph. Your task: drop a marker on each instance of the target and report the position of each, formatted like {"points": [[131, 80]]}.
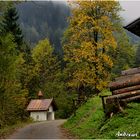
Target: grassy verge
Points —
{"points": [[90, 122], [7, 130]]}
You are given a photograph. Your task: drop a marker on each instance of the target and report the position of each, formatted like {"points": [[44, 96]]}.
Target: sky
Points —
{"points": [[131, 11]]}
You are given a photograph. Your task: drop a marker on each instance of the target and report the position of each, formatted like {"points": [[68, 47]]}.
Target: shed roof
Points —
{"points": [[134, 27], [39, 104]]}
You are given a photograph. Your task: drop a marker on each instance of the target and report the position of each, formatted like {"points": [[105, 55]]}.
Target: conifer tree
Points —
{"points": [[87, 42], [10, 24]]}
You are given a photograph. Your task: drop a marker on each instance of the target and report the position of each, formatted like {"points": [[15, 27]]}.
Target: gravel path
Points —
{"points": [[41, 130]]}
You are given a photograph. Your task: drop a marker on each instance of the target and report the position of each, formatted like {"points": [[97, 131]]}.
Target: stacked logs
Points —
{"points": [[125, 88]]}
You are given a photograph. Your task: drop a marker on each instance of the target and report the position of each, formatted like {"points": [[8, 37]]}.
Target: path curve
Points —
{"points": [[40, 130]]}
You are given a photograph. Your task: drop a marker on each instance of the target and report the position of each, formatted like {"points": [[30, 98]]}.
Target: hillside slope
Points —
{"points": [[41, 19], [90, 122]]}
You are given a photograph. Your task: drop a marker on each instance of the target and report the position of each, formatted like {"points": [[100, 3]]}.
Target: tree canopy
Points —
{"points": [[95, 49], [88, 40], [12, 27]]}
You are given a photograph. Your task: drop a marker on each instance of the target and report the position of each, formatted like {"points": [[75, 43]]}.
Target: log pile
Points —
{"points": [[127, 85], [125, 88]]}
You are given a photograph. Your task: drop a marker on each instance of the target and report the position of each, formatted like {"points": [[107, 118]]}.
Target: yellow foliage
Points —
{"points": [[89, 40]]}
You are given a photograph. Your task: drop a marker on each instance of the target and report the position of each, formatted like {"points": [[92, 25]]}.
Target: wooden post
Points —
{"points": [[103, 102], [118, 105]]}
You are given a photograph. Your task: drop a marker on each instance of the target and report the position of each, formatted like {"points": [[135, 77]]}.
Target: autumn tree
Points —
{"points": [[87, 42], [45, 65], [46, 75]]}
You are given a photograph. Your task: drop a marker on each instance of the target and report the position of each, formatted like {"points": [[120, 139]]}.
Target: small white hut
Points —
{"points": [[41, 109]]}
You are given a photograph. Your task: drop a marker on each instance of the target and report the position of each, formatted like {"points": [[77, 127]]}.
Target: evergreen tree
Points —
{"points": [[10, 24], [37, 22]]}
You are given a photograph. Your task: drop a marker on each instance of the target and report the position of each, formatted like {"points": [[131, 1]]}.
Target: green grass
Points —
{"points": [[8, 130], [90, 122]]}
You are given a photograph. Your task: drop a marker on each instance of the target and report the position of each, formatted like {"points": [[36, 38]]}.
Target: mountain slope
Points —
{"points": [[39, 20]]}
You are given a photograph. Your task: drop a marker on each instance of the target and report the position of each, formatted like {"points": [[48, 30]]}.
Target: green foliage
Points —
{"points": [[88, 43], [8, 130], [12, 96], [9, 25], [45, 64], [46, 75], [124, 55], [3, 6], [89, 122]]}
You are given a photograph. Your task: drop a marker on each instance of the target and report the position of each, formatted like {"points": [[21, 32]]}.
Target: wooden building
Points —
{"points": [[42, 109], [134, 27]]}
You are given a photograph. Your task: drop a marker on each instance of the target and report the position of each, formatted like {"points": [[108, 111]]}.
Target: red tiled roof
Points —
{"points": [[39, 104]]}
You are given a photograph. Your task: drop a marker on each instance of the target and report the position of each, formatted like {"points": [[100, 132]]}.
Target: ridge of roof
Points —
{"points": [[132, 23]]}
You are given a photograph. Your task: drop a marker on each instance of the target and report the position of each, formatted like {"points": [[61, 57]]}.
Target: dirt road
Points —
{"points": [[41, 130]]}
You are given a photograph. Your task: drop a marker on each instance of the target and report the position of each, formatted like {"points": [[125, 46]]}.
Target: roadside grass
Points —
{"points": [[8, 130], [90, 122], [128, 123]]}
